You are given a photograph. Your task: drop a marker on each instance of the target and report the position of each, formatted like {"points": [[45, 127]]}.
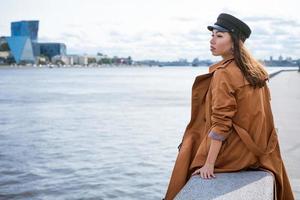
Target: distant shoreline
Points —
{"points": [[69, 66], [109, 66]]}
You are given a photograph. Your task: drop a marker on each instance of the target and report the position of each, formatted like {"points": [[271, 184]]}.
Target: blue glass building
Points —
{"points": [[25, 28], [52, 49], [23, 43], [21, 49]]}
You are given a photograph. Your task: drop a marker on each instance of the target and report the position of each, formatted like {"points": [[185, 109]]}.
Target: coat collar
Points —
{"points": [[220, 64]]}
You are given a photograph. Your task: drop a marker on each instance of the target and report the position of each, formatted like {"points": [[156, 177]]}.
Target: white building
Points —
{"points": [[78, 60]]}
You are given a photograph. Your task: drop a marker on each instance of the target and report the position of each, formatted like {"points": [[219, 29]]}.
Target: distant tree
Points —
{"points": [[129, 60], [10, 60], [91, 60], [115, 60], [195, 62], [4, 46], [106, 61], [59, 62], [42, 60]]}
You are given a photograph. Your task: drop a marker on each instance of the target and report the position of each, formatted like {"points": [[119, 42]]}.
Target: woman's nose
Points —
{"points": [[212, 41]]}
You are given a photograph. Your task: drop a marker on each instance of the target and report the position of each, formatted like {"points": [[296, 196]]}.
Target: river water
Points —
{"points": [[91, 133]]}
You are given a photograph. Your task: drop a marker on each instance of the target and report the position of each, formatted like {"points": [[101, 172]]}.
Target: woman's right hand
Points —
{"points": [[206, 172]]}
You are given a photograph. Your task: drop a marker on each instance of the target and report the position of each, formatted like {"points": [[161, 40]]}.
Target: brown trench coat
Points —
{"points": [[224, 102]]}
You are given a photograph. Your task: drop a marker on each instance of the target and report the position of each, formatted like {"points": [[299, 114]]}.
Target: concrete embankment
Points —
{"points": [[285, 94]]}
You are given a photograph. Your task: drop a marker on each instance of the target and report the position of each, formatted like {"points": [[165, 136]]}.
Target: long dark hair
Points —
{"points": [[252, 70]]}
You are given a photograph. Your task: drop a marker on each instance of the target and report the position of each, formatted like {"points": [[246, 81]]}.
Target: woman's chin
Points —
{"points": [[214, 53]]}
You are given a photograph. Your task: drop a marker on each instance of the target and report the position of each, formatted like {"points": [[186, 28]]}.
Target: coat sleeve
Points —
{"points": [[223, 105]]}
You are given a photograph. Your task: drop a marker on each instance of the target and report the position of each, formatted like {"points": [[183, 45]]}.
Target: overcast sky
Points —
{"points": [[156, 29]]}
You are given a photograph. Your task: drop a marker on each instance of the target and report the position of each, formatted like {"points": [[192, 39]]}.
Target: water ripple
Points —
{"points": [[92, 133]]}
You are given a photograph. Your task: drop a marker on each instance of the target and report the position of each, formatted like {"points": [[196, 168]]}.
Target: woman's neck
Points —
{"points": [[226, 57]]}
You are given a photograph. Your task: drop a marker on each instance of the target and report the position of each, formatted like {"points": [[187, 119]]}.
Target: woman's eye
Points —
{"points": [[219, 36]]}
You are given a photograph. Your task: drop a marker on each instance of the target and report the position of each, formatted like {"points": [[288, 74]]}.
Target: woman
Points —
{"points": [[231, 125]]}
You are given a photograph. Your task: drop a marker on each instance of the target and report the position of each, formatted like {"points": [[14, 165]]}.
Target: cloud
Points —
{"points": [[172, 45], [273, 36], [156, 29], [184, 19], [273, 20], [72, 36], [270, 36]]}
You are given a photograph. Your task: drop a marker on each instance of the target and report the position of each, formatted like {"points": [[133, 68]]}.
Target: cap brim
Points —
{"points": [[217, 27]]}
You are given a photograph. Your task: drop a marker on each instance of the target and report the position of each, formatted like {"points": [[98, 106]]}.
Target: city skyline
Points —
{"points": [[159, 30]]}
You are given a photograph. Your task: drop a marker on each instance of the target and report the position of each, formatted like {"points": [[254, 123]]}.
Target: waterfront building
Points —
{"points": [[52, 49], [21, 49], [83, 60], [24, 46], [25, 28], [36, 49], [21, 45], [4, 50], [78, 59]]}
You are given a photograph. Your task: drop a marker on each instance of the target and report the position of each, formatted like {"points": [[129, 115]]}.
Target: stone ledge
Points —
{"points": [[244, 185]]}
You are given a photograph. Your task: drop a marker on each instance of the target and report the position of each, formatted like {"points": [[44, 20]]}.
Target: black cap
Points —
{"points": [[229, 23]]}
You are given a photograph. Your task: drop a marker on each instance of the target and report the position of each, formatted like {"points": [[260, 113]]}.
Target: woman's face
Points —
{"points": [[221, 44]]}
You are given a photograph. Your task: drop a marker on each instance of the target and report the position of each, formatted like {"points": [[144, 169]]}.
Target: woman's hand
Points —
{"points": [[206, 172]]}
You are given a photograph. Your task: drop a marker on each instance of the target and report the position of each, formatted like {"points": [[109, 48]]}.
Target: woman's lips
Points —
{"points": [[212, 48]]}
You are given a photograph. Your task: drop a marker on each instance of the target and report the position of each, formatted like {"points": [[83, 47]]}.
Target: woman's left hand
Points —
{"points": [[206, 172]]}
